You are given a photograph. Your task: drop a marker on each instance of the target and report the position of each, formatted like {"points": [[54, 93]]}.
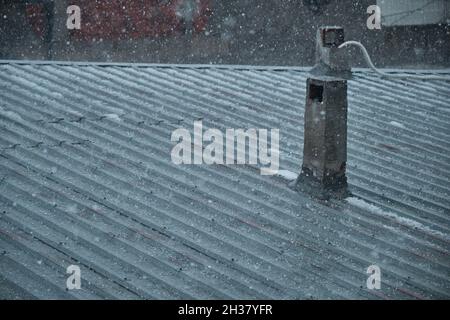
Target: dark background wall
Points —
{"points": [[269, 32]]}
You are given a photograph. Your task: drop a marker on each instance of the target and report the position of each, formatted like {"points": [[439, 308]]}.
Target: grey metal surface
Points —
{"points": [[86, 179]]}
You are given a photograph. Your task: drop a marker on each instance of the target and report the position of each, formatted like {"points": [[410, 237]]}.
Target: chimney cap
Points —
{"points": [[332, 37], [330, 60]]}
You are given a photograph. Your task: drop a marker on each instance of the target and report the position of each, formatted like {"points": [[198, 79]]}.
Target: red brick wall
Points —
{"points": [[125, 19], [37, 19]]}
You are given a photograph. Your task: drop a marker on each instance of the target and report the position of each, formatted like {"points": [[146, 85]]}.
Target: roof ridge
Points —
{"points": [[209, 66]]}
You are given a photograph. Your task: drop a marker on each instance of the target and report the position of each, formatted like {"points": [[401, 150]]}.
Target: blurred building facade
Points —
{"points": [[269, 32]]}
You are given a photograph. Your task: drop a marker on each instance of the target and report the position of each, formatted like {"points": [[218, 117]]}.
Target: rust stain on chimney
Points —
{"points": [[325, 141]]}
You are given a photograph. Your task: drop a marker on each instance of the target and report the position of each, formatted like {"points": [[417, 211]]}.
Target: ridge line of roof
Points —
{"points": [[155, 65], [207, 66]]}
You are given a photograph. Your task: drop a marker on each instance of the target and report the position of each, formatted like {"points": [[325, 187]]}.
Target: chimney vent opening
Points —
{"points": [[333, 37], [316, 92]]}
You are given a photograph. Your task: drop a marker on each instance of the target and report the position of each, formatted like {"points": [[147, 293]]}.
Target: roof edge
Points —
{"points": [[154, 65], [208, 66]]}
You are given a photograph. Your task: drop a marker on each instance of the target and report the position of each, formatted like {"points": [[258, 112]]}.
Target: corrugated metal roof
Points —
{"points": [[86, 178]]}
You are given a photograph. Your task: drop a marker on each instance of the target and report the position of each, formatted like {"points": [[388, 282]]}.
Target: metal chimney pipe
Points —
{"points": [[325, 136], [330, 60]]}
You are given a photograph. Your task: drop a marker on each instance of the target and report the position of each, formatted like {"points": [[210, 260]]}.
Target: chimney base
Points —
{"points": [[333, 187]]}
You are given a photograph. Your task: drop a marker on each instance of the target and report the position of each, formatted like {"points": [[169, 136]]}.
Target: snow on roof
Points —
{"points": [[86, 179]]}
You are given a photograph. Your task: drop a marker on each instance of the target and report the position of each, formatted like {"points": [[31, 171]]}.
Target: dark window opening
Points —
{"points": [[333, 37], [316, 92]]}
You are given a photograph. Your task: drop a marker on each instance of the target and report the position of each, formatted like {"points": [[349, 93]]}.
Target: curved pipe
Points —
{"points": [[387, 75]]}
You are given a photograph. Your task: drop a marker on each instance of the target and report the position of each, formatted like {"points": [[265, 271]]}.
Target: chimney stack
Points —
{"points": [[325, 141], [330, 60]]}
